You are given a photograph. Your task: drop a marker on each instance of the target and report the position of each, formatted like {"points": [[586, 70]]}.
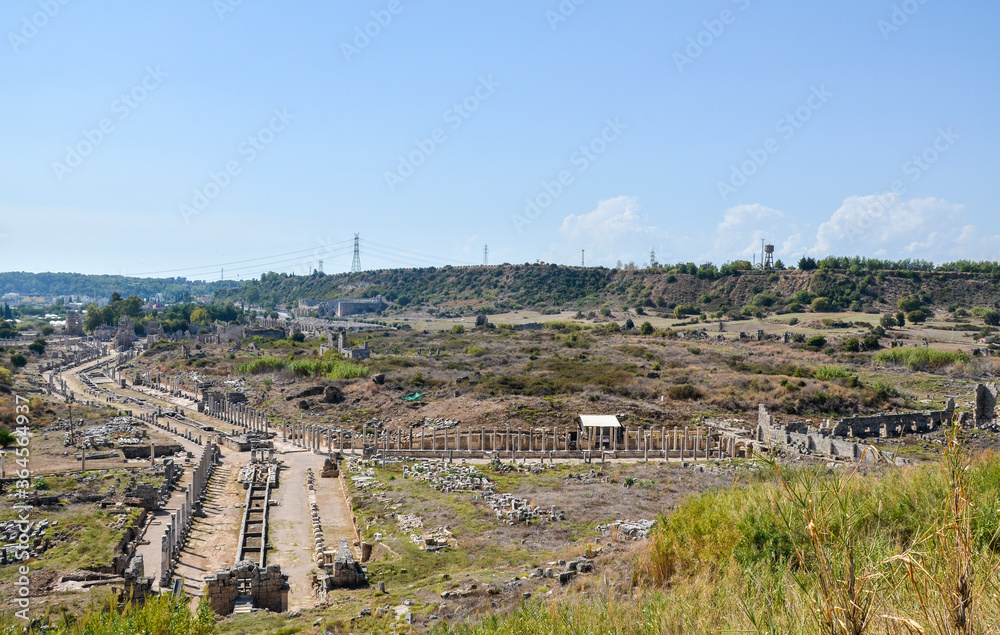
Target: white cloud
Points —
{"points": [[879, 226], [918, 228], [615, 230], [742, 228], [927, 228]]}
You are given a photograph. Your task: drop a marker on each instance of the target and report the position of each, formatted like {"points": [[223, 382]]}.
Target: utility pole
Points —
{"points": [[486, 255], [356, 263]]}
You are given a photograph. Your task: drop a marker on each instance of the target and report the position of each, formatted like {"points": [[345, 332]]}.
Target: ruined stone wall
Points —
{"points": [[986, 403], [894, 425], [268, 587]]}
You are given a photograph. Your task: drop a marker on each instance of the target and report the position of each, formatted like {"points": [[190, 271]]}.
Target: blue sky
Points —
{"points": [[178, 136]]}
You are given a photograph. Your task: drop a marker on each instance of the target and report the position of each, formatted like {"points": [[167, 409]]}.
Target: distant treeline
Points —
{"points": [[177, 317], [102, 286], [857, 264]]}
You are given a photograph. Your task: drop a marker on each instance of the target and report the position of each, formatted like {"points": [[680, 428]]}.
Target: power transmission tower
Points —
{"points": [[652, 259], [356, 263], [582, 259], [321, 266], [486, 255]]}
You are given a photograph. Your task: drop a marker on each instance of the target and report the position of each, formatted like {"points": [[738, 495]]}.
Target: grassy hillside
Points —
{"points": [[544, 286]]}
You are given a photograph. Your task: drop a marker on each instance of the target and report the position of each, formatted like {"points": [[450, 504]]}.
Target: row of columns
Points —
{"points": [[682, 443], [237, 414], [179, 526], [310, 437]]}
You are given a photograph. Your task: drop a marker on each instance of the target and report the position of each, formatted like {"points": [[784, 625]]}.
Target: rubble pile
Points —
{"points": [[256, 473], [119, 430], [439, 538], [593, 476], [570, 569], [511, 509], [450, 478], [11, 532], [627, 529], [319, 542], [409, 522], [437, 424]]}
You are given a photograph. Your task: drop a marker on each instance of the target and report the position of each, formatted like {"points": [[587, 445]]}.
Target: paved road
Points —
{"points": [[291, 526]]}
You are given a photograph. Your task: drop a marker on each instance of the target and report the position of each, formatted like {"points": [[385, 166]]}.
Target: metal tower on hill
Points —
{"points": [[356, 263], [486, 255]]}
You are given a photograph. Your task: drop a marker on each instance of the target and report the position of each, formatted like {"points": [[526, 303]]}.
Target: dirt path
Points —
{"points": [[290, 531], [334, 512], [212, 542]]}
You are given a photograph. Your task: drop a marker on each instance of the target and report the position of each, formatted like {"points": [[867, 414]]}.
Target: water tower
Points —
{"points": [[768, 257]]}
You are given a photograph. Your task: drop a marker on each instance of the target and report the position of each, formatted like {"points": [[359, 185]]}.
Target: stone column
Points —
{"points": [[164, 558]]}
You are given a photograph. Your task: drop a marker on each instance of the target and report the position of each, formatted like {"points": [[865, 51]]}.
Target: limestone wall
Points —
{"points": [[268, 587]]}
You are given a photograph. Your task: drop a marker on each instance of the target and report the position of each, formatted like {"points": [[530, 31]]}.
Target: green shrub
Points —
{"points": [[682, 310], [646, 329], [822, 305], [7, 438], [908, 303], [851, 345], [458, 329], [832, 372], [918, 316], [816, 341]]}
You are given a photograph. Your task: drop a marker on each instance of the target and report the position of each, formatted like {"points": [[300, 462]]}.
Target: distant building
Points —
{"points": [[341, 308], [601, 432], [74, 324]]}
